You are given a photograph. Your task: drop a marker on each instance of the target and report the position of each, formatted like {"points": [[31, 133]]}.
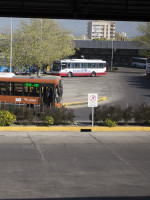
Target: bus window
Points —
{"points": [[64, 65], [89, 65], [60, 94], [93, 65], [77, 65], [17, 89], [82, 65], [56, 95], [72, 65], [60, 83], [68, 65], [3, 89], [31, 89], [56, 66]]}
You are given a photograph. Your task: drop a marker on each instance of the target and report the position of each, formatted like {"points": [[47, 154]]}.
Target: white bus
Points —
{"points": [[79, 67], [139, 62], [148, 67]]}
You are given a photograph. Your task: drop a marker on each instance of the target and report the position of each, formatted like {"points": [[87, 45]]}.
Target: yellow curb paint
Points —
{"points": [[74, 129], [83, 102], [102, 99], [98, 129]]}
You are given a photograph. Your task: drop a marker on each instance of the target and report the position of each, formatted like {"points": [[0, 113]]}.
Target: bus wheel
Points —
{"points": [[69, 74], [93, 74]]}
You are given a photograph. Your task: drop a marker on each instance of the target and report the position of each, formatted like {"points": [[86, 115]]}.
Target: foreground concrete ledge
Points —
{"points": [[73, 129]]}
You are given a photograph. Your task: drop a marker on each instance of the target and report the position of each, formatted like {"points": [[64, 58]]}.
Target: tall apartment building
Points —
{"points": [[101, 29]]}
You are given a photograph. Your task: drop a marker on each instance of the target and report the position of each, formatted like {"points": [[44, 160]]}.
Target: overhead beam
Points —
{"points": [[126, 10]]}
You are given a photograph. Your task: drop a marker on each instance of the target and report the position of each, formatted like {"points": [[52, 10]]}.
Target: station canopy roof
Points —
{"points": [[121, 10]]}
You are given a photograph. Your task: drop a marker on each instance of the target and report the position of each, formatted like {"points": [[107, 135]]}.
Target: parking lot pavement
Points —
{"points": [[79, 165], [123, 87]]}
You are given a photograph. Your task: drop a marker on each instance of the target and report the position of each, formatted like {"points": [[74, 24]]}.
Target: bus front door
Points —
{"points": [[47, 95]]}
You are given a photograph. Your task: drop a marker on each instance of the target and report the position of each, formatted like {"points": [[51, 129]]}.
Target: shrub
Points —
{"points": [[104, 112], [100, 114], [28, 116], [6, 118], [18, 112], [110, 123], [142, 113], [24, 115], [115, 113], [127, 114], [60, 115], [49, 120], [115, 68]]}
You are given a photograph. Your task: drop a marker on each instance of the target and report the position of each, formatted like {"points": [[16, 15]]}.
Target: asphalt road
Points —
{"points": [[128, 86], [50, 166]]}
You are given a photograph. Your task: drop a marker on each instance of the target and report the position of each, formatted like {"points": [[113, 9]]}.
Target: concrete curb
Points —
{"points": [[74, 129], [82, 103]]}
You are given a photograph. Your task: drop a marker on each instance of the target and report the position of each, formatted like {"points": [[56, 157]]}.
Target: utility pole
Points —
{"points": [[112, 51], [41, 29], [11, 47]]}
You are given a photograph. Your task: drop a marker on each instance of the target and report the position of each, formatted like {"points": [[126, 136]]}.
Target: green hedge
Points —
{"points": [[139, 114], [40, 116]]}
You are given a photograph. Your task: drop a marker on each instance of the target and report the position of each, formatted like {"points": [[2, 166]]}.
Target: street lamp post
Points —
{"points": [[11, 48], [41, 29], [112, 51]]}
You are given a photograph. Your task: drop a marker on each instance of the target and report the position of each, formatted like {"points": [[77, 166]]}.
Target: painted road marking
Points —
{"points": [[83, 103]]}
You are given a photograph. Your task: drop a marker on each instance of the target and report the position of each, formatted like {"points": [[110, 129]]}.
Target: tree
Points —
{"points": [[38, 43], [144, 39]]}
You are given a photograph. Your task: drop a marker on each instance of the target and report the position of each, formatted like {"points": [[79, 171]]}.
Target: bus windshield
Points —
{"points": [[148, 60], [148, 67], [56, 66]]}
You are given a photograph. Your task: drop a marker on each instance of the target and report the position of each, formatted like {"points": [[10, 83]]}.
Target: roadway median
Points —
{"points": [[83, 102]]}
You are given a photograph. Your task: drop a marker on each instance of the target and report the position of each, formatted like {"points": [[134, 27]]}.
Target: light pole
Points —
{"points": [[11, 47], [41, 29], [112, 51]]}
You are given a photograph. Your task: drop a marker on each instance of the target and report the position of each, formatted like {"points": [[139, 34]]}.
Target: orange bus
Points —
{"points": [[31, 90]]}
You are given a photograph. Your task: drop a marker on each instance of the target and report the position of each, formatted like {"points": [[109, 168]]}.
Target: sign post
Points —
{"points": [[92, 102]]}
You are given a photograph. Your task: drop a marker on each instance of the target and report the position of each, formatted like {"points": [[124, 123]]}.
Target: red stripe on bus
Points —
{"points": [[79, 74]]}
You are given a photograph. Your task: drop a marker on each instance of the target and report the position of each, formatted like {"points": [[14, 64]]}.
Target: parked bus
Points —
{"points": [[4, 69], [139, 62], [79, 67], [23, 70], [31, 90], [148, 67]]}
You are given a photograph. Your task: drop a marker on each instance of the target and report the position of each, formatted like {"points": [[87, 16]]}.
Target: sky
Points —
{"points": [[78, 27]]}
